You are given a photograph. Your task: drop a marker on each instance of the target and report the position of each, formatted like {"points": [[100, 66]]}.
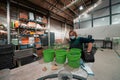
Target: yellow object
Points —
{"points": [[32, 32], [16, 24]]}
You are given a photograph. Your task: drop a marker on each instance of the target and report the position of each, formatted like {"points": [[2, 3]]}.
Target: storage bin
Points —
{"points": [[48, 55], [6, 56], [60, 56], [74, 56]]}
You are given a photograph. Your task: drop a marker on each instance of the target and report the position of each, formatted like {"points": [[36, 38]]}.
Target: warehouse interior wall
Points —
{"points": [[59, 29], [101, 32], [102, 22]]}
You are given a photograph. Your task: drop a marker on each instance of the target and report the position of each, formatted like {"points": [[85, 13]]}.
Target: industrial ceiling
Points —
{"points": [[62, 10], [68, 9]]}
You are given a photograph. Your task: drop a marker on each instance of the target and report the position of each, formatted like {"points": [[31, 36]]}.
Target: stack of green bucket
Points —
{"points": [[60, 56], [74, 56], [48, 55]]}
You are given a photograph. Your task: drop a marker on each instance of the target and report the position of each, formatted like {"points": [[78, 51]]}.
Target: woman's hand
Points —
{"points": [[89, 48]]}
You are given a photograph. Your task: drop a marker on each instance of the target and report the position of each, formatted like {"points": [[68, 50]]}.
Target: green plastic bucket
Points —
{"points": [[48, 55], [60, 56], [75, 50], [74, 64], [72, 56], [74, 59]]}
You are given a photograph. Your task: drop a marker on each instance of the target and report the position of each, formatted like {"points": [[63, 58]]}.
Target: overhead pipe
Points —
{"points": [[73, 12], [69, 5], [51, 8], [25, 4], [91, 8], [59, 9], [67, 8], [88, 10]]}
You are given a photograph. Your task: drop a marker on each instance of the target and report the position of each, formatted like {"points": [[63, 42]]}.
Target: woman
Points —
{"points": [[77, 42]]}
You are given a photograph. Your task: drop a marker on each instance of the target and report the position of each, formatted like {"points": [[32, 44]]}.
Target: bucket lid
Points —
{"points": [[48, 51], [60, 52], [76, 50]]}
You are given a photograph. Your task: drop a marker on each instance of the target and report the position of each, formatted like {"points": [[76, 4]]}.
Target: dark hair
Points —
{"points": [[73, 32]]}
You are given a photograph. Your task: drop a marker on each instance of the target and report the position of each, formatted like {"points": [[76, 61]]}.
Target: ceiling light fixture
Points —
{"points": [[81, 8], [92, 7], [88, 10]]}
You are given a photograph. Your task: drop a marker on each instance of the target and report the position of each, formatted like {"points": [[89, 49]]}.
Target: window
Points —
{"points": [[116, 9], [85, 24], [101, 22], [85, 17], [101, 13], [104, 3], [115, 1], [116, 19]]}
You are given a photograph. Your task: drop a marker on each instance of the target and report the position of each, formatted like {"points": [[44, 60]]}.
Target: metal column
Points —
{"points": [[79, 22], [65, 30], [65, 27], [110, 9], [8, 21], [92, 20], [49, 31]]}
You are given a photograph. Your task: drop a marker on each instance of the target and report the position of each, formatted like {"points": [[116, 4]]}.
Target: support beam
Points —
{"points": [[65, 32], [110, 7], [8, 21], [49, 30], [52, 6], [27, 5], [30, 5], [60, 10], [63, 4]]}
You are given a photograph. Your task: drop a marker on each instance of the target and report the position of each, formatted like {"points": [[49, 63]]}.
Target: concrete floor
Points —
{"points": [[106, 66]]}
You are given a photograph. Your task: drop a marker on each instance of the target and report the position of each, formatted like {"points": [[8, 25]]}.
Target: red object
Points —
{"points": [[24, 15]]}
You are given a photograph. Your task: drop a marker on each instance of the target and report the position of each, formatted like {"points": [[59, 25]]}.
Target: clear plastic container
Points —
{"points": [[64, 75]]}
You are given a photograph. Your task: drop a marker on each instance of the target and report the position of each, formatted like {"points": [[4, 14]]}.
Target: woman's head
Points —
{"points": [[72, 34]]}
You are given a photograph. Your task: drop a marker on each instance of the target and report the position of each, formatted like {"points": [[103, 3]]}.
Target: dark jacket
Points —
{"points": [[78, 42]]}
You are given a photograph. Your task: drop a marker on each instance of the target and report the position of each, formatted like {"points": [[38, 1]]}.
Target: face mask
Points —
{"points": [[72, 37]]}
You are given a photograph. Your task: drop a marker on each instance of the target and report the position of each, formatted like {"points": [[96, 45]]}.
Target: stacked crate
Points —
{"points": [[6, 56]]}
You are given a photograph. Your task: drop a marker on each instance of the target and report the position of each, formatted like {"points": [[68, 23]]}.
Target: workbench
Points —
{"points": [[33, 71]]}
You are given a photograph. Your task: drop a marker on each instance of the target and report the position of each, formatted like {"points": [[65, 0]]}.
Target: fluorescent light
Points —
{"points": [[81, 7], [92, 7]]}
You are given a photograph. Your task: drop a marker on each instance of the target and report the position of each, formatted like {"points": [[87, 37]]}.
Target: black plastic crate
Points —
{"points": [[6, 56]]}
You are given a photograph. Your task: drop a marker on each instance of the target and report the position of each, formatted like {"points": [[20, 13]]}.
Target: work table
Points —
{"points": [[33, 71]]}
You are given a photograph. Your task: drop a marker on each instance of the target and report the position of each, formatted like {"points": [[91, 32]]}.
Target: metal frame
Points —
{"points": [[8, 21], [110, 15], [49, 30], [60, 10], [110, 11], [27, 5]]}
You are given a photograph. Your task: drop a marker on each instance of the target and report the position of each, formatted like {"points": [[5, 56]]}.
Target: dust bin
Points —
{"points": [[48, 55], [75, 50], [74, 59], [60, 56]]}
